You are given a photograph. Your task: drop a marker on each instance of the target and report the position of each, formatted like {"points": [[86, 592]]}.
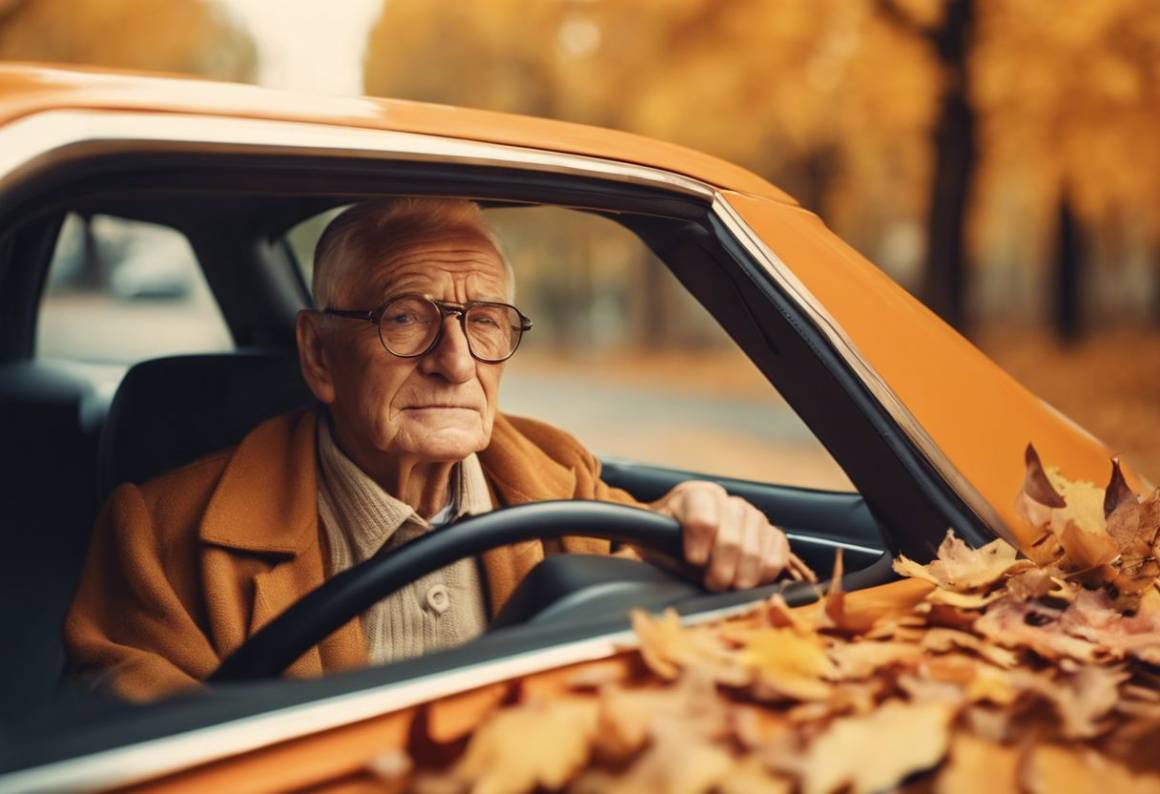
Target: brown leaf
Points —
{"points": [[1072, 511], [854, 660], [963, 569], [667, 646], [1083, 699], [750, 776], [628, 717], [976, 765], [942, 640], [1117, 493], [963, 600], [1134, 525], [679, 761], [1036, 627], [873, 752], [1060, 769], [786, 663], [1093, 617], [1080, 526], [1036, 485], [542, 743]]}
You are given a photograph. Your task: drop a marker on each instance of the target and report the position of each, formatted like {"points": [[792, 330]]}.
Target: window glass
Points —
{"points": [[123, 291], [624, 358]]}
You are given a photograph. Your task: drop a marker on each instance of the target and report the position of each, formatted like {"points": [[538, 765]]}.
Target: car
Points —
{"points": [[930, 432]]}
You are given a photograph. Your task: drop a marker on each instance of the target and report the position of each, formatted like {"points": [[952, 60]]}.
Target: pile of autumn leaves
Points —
{"points": [[1002, 674]]}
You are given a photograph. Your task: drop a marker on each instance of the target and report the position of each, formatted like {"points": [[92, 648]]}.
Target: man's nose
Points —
{"points": [[451, 358]]}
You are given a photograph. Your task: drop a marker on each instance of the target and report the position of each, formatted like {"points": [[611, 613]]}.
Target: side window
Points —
{"points": [[625, 359], [122, 291]]}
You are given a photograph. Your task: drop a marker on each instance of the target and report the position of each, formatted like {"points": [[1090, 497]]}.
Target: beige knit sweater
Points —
{"points": [[441, 610]]}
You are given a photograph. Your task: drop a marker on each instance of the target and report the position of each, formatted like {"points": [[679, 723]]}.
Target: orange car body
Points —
{"points": [[969, 418]]}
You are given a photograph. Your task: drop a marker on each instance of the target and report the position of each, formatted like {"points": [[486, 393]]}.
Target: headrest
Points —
{"points": [[171, 411]]}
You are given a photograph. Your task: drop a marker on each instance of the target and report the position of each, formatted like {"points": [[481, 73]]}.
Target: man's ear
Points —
{"points": [[312, 355]]}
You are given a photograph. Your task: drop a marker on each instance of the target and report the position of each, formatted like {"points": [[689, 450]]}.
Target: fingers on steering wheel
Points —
{"points": [[775, 554], [755, 546], [727, 545], [700, 517]]}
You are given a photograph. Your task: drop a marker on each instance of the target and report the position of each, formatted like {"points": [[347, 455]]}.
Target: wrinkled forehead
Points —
{"points": [[461, 263]]}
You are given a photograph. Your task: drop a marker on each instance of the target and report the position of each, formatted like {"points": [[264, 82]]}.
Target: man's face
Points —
{"points": [[439, 407]]}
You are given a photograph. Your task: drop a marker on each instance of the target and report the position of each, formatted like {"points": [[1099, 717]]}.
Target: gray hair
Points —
{"points": [[361, 231]]}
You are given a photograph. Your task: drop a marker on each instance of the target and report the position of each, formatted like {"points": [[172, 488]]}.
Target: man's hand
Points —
{"points": [[731, 538]]}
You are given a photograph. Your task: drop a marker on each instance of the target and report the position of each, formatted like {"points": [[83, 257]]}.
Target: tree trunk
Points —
{"points": [[945, 277], [1069, 272]]}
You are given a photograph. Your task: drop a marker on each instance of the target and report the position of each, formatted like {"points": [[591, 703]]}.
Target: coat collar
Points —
{"points": [[522, 472], [267, 499]]}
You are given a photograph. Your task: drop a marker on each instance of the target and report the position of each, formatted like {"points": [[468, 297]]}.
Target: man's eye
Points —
{"points": [[402, 318], [484, 320]]}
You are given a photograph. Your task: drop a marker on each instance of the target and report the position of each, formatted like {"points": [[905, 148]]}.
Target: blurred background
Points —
{"points": [[998, 158]]}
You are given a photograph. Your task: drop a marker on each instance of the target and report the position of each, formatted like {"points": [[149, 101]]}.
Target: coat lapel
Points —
{"points": [[266, 504], [519, 472]]}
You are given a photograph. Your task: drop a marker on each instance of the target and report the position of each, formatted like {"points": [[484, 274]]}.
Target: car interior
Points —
{"points": [[73, 431]]}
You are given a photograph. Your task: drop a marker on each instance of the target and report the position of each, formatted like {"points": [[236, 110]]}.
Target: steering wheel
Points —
{"points": [[323, 610]]}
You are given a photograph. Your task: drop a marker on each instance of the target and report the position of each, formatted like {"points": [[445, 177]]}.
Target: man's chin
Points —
{"points": [[446, 440]]}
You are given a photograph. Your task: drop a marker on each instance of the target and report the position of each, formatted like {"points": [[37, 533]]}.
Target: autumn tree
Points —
{"points": [[825, 97], [184, 36], [1069, 97]]}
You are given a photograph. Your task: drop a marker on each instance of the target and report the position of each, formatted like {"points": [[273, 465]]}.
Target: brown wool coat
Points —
{"points": [[182, 569]]}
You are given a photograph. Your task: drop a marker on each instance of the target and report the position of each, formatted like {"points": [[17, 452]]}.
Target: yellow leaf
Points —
{"points": [[543, 743], [874, 752]]}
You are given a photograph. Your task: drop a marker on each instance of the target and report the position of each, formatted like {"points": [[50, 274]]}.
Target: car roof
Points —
{"points": [[28, 88]]}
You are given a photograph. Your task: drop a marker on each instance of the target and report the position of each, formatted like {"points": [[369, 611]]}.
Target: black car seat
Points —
{"points": [[166, 412], [171, 411], [49, 424]]}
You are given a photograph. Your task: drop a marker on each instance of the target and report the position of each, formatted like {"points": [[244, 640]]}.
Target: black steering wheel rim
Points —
{"points": [[323, 610]]}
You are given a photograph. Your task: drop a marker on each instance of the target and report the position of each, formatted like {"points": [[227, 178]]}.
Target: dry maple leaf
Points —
{"points": [[667, 646], [963, 569], [976, 764], [942, 640], [786, 663], [874, 752], [541, 743], [1073, 513], [678, 761], [1035, 626], [628, 717], [1051, 769], [1117, 493], [855, 660], [951, 598], [1093, 617], [1081, 700]]}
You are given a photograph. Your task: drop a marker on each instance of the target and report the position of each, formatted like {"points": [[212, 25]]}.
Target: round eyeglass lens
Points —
{"points": [[493, 331], [408, 325]]}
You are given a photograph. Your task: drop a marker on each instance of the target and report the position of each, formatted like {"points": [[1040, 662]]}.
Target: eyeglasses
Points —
{"points": [[410, 326]]}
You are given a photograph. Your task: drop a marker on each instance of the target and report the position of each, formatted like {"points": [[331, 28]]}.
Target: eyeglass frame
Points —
{"points": [[446, 309]]}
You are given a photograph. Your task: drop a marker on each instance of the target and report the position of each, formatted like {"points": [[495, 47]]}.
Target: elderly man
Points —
{"points": [[405, 358]]}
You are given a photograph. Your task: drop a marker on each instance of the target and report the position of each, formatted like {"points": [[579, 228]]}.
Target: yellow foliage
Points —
{"points": [[184, 36]]}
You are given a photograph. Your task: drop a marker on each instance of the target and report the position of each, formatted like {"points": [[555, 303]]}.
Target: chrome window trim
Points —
{"points": [[50, 138]]}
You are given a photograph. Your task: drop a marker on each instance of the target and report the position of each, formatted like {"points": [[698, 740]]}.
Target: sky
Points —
{"points": [[309, 45]]}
